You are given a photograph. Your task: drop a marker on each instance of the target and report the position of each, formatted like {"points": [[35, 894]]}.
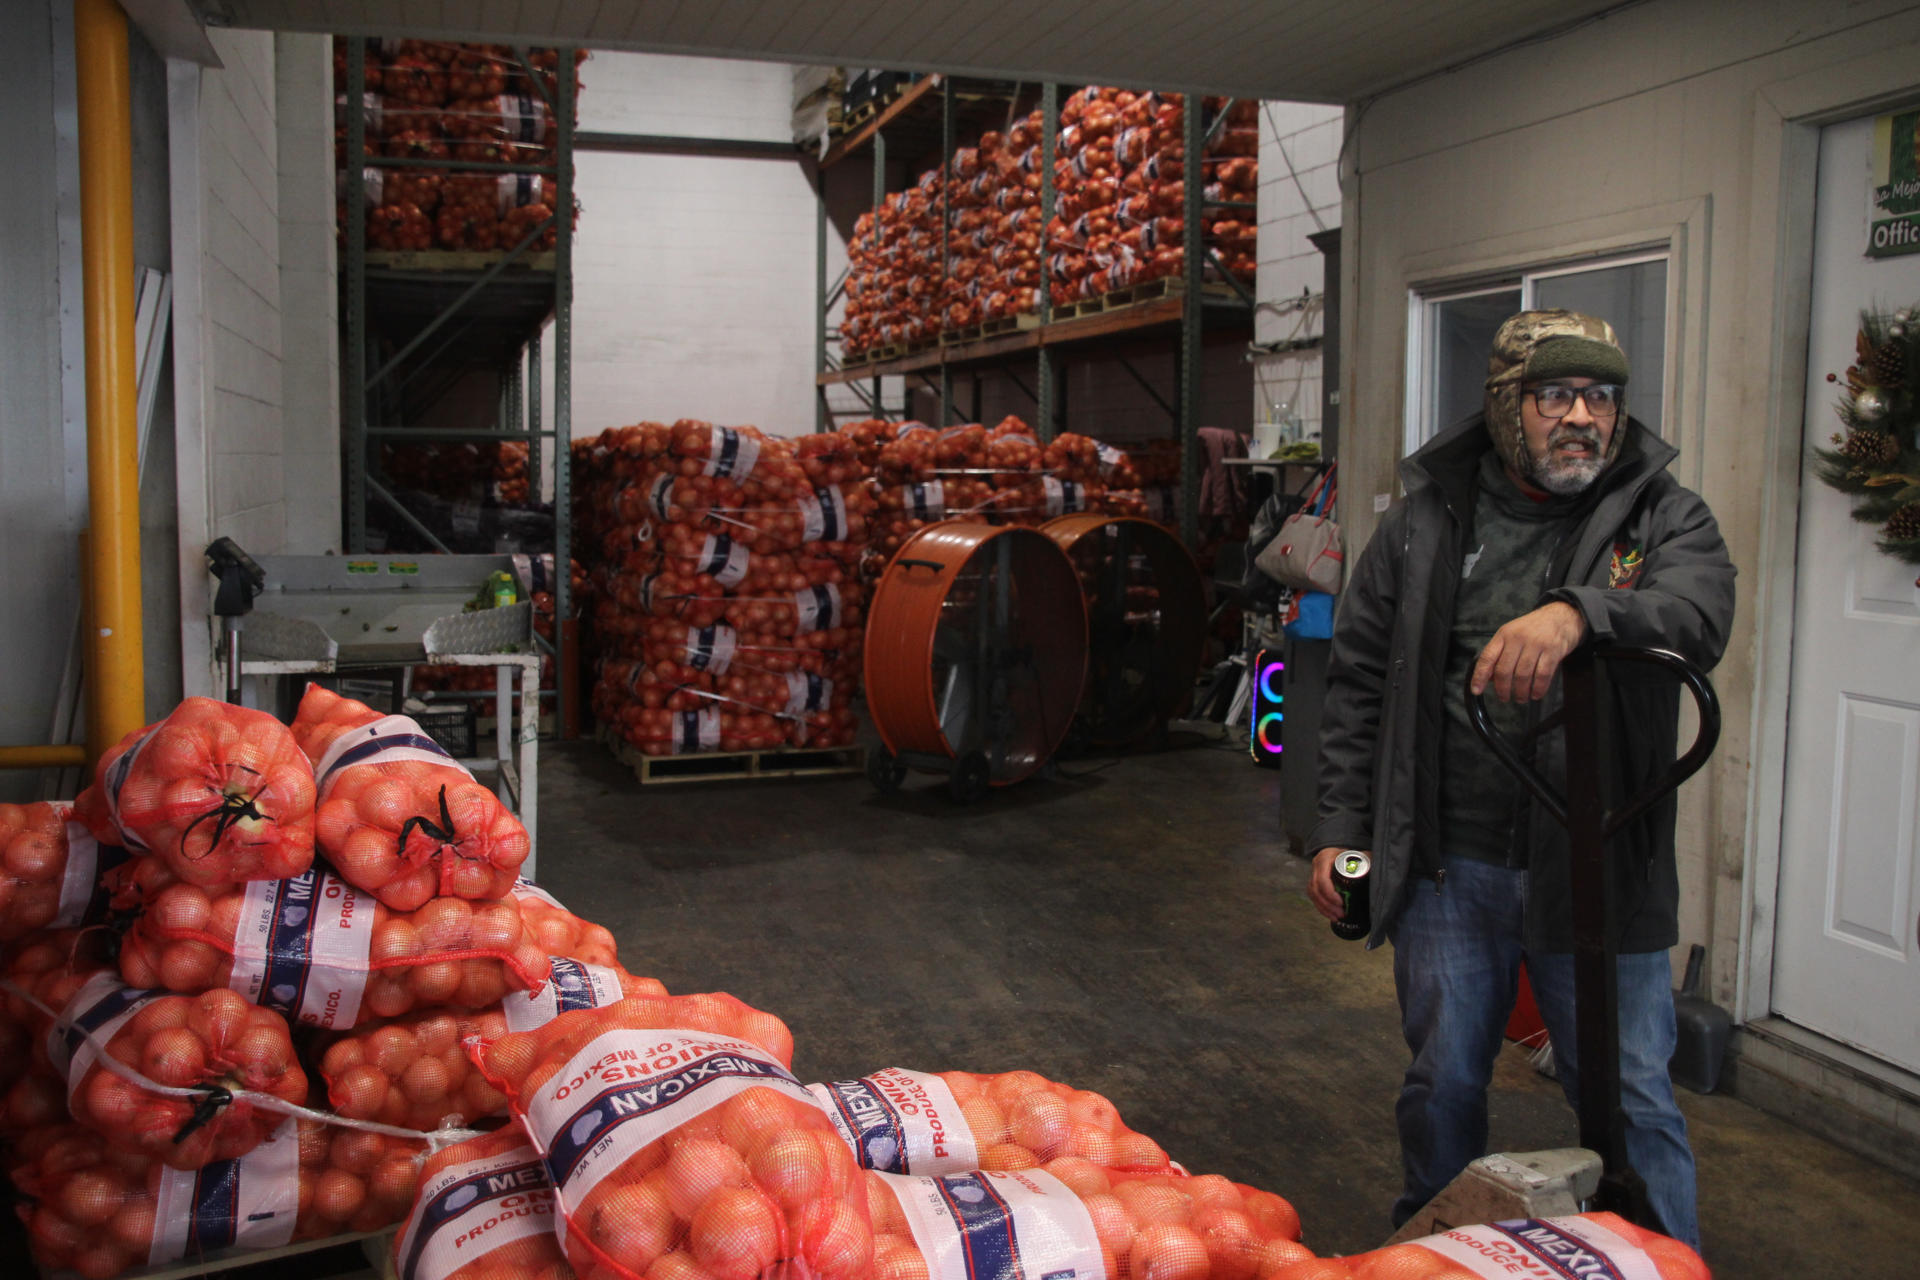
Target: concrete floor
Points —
{"points": [[1134, 929]]}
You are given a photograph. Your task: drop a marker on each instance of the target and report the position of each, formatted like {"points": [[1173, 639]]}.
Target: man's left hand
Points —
{"points": [[1521, 659]]}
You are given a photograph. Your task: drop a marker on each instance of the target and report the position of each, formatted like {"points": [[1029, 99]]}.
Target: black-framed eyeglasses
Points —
{"points": [[1555, 400]]}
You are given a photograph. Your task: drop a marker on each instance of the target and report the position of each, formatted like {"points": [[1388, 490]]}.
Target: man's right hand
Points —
{"points": [[1326, 898]]}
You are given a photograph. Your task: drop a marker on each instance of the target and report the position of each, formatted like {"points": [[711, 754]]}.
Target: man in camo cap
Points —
{"points": [[1544, 522]]}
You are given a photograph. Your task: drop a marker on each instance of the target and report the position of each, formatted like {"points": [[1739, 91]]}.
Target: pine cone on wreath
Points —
{"points": [[1904, 524], [1870, 448], [1890, 363]]}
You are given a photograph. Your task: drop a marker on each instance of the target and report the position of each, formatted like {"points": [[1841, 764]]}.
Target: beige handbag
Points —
{"points": [[1305, 554]]}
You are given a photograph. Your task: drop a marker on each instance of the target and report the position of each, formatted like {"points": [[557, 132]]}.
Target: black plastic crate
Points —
{"points": [[454, 725]]}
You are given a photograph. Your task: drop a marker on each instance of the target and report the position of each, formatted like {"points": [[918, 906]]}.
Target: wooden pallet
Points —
{"points": [[724, 766], [455, 260], [1135, 294], [860, 115]]}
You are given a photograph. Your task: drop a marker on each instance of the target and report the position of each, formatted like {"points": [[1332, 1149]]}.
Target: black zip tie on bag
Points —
{"points": [[217, 1097]]}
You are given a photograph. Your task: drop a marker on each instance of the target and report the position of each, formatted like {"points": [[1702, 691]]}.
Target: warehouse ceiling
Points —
{"points": [[1299, 50]]}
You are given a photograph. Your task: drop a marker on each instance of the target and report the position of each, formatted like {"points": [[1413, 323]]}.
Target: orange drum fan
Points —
{"points": [[1146, 624], [976, 652]]}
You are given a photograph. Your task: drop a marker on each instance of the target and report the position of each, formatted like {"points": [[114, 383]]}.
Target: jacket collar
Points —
{"points": [[1450, 460]]}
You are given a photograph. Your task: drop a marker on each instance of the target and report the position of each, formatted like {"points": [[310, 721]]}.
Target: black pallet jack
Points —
{"points": [[1582, 811]]}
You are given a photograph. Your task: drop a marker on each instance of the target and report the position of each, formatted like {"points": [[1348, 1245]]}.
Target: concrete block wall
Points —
{"points": [[1299, 195], [693, 275]]}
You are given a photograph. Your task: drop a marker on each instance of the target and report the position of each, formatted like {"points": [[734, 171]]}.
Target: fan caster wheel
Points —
{"points": [[884, 771], [969, 779]]}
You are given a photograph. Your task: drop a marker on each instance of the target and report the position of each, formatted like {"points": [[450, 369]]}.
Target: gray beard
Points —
{"points": [[1562, 477]]}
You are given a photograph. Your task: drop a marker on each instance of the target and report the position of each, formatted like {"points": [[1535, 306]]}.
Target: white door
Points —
{"points": [[1846, 955]]}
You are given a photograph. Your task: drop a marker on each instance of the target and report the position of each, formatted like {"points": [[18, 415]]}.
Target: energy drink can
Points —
{"points": [[1350, 870]]}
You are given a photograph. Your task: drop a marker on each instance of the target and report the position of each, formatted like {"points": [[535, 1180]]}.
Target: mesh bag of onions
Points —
{"points": [[1071, 1218], [398, 816], [92, 1208], [323, 953], [680, 1146], [50, 869], [1587, 1244], [484, 1211], [211, 1041], [412, 1071], [912, 1122], [220, 793]]}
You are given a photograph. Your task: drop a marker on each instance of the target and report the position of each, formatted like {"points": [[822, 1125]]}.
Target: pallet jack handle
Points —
{"points": [[1582, 811]]}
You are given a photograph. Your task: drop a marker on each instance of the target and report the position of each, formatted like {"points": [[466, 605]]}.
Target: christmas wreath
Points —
{"points": [[1876, 461]]}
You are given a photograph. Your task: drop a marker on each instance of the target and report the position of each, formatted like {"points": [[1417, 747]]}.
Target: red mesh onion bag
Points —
{"points": [[212, 1040], [397, 816], [49, 967], [97, 1210], [912, 1122], [322, 953], [221, 793], [412, 1070], [1072, 1218], [484, 1211], [680, 1147], [50, 867], [1587, 1244]]}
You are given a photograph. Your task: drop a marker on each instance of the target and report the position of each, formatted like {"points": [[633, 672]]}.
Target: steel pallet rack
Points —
{"points": [[1183, 314], [449, 313]]}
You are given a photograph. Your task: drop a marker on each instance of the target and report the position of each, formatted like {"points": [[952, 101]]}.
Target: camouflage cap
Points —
{"points": [[1518, 338]]}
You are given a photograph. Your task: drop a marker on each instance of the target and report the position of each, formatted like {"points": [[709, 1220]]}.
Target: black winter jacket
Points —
{"points": [[1647, 566]]}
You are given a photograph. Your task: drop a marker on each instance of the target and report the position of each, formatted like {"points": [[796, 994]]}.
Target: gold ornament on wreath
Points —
{"points": [[1876, 459]]}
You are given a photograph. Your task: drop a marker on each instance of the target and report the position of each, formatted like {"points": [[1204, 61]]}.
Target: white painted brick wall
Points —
{"points": [[246, 448], [1299, 195], [310, 369]]}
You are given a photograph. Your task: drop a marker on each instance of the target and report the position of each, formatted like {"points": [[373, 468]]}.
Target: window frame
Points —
{"points": [[1424, 300]]}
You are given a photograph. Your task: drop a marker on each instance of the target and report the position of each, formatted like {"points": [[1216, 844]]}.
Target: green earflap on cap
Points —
{"points": [[1571, 356]]}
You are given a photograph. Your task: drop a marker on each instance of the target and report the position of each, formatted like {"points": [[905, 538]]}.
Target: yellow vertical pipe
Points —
{"points": [[115, 659]]}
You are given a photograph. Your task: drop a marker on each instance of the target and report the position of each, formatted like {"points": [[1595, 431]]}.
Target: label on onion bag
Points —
{"points": [[631, 1087], [535, 572], [524, 888], [1130, 145], [647, 584], [300, 947], [571, 985], [711, 648], [660, 497], [1111, 459], [696, 731], [927, 501], [116, 777], [93, 1015], [388, 740], [517, 191], [83, 899], [900, 1121], [468, 1210], [247, 1203], [1544, 1247], [818, 608], [823, 515], [807, 691], [723, 559], [523, 116], [731, 454], [1064, 497], [1017, 1225]]}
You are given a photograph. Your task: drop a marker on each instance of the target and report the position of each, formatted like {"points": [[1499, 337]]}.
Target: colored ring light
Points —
{"points": [[1266, 682], [1260, 732]]}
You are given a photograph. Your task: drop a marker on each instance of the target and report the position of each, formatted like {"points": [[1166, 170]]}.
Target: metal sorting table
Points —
{"points": [[326, 615]]}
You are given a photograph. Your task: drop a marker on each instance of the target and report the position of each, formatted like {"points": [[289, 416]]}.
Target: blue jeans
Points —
{"points": [[1456, 963]]}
